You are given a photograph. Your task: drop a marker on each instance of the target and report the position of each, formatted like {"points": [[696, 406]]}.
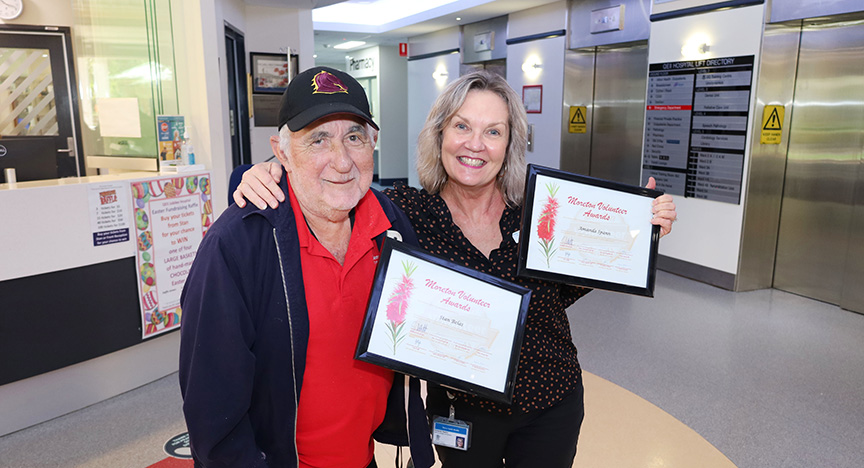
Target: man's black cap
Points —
{"points": [[319, 92]]}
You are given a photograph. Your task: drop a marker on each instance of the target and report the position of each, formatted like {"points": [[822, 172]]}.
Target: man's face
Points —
{"points": [[329, 165]]}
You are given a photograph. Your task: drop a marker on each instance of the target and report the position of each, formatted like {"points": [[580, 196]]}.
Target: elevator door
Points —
{"points": [[619, 113], [819, 246], [610, 83]]}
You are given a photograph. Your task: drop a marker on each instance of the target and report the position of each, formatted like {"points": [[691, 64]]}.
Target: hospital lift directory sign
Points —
{"points": [[696, 121]]}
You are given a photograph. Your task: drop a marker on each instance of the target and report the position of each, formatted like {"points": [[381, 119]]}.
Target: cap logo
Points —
{"points": [[327, 83]]}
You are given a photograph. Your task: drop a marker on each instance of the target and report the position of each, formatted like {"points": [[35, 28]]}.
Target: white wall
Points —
{"points": [[275, 30], [445, 39], [547, 124], [392, 90], [265, 29], [388, 105], [550, 52], [550, 17], [423, 90], [708, 233]]}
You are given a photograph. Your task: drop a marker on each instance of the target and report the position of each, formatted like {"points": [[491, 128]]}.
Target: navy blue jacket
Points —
{"points": [[244, 333]]}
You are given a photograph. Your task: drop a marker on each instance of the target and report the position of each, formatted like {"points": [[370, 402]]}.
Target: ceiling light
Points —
{"points": [[349, 45], [458, 18], [382, 12]]}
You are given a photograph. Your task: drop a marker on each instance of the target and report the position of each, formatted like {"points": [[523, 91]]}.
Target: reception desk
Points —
{"points": [[71, 328]]}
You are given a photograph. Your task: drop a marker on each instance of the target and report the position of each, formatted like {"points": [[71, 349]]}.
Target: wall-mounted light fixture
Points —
{"points": [[440, 75], [696, 47], [532, 66]]}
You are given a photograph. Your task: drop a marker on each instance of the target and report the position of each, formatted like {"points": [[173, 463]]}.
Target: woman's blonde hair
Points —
{"points": [[511, 179]]}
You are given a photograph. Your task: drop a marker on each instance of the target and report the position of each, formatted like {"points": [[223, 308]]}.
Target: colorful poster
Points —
{"points": [[171, 217], [170, 130], [109, 213]]}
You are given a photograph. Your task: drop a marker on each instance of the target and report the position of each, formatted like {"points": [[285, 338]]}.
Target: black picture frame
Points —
{"points": [[530, 238], [270, 72], [437, 372]]}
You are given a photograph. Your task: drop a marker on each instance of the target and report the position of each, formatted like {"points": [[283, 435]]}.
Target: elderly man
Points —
{"points": [[274, 304]]}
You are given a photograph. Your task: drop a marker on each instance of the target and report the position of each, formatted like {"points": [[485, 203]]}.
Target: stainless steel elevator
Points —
{"points": [[820, 242], [610, 82]]}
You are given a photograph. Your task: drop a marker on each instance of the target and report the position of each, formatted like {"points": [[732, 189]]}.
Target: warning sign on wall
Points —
{"points": [[577, 119], [772, 125]]}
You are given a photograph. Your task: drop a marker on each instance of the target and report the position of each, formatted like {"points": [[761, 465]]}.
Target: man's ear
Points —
{"points": [[274, 144]]}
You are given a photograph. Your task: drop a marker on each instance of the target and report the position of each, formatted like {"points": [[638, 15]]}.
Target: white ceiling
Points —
{"points": [[324, 40]]}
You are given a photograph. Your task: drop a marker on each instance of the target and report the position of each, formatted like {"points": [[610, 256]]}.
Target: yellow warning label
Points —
{"points": [[772, 125], [577, 119]]}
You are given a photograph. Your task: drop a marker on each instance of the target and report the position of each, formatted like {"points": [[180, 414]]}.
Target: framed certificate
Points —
{"points": [[444, 323], [589, 232]]}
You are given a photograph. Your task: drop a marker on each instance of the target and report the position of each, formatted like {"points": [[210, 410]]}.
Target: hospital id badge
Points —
{"points": [[451, 433]]}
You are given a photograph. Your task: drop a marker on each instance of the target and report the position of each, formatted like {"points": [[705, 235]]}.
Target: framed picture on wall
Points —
{"points": [[271, 73], [532, 98]]}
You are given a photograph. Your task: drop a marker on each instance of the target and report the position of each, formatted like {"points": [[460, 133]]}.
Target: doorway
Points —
{"points": [[238, 97], [609, 83], [820, 245], [39, 123]]}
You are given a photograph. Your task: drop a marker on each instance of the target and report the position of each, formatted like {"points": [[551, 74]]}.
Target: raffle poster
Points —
{"points": [[171, 217]]}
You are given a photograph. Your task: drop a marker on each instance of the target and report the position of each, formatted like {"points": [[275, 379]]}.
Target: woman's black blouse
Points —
{"points": [[548, 368]]}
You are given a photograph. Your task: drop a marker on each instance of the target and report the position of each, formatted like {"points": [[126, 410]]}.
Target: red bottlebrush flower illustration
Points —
{"points": [[546, 223], [397, 305]]}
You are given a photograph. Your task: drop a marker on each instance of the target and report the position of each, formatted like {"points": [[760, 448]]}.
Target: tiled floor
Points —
{"points": [[696, 377]]}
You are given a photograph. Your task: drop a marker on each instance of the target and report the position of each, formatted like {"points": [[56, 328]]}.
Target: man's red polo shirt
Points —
{"points": [[342, 400]]}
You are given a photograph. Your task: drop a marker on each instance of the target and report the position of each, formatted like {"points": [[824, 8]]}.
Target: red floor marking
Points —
{"points": [[172, 462]]}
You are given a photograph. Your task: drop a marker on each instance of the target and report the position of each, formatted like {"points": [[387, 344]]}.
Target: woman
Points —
{"points": [[471, 163]]}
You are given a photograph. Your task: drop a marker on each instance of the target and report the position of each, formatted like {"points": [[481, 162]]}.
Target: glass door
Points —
{"points": [[37, 123]]}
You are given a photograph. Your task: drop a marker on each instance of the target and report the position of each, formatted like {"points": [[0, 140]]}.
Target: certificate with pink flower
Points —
{"points": [[589, 232], [443, 322]]}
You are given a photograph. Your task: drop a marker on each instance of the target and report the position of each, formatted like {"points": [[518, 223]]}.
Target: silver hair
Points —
{"points": [[511, 179], [285, 136]]}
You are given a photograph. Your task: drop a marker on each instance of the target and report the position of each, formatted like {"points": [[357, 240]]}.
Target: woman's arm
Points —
{"points": [[260, 185]]}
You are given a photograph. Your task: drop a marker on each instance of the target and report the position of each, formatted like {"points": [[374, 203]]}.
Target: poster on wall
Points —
{"points": [[696, 120], [109, 213], [169, 132], [171, 217]]}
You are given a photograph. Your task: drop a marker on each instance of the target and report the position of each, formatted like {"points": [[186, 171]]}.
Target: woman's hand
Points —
{"points": [[663, 209], [260, 185]]}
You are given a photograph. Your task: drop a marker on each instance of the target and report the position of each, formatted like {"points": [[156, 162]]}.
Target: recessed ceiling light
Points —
{"points": [[349, 45], [380, 12]]}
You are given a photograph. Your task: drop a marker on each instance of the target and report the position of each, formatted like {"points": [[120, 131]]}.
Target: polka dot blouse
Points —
{"points": [[548, 368]]}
